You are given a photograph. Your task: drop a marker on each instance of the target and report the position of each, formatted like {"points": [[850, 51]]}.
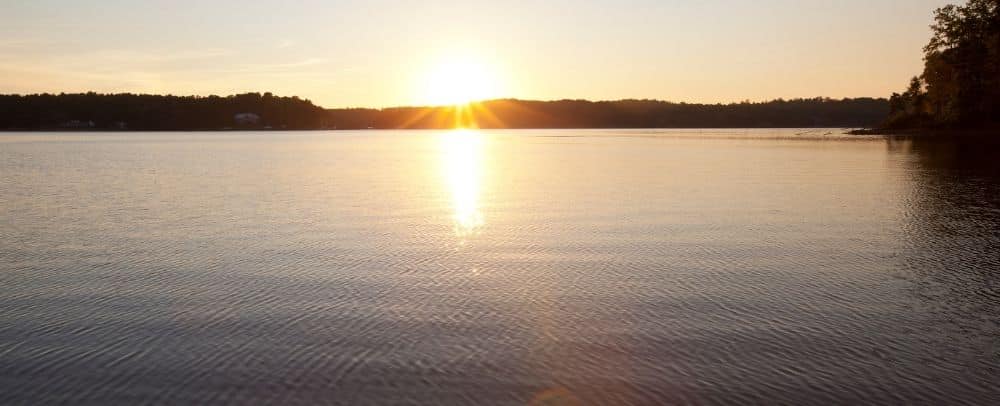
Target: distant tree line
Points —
{"points": [[155, 112], [960, 84], [259, 111], [509, 113]]}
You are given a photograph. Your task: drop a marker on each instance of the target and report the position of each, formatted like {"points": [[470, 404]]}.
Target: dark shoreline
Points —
{"points": [[927, 132], [93, 111], [117, 130], [154, 130]]}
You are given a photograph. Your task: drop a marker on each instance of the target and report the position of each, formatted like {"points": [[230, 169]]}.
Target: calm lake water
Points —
{"points": [[519, 267]]}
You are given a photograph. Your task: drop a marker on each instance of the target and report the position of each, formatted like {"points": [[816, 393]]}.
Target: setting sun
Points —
{"points": [[459, 81]]}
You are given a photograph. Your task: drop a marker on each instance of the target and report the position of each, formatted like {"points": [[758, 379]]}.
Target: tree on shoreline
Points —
{"points": [[960, 84]]}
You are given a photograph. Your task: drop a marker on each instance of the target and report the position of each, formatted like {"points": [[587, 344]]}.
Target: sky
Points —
{"points": [[381, 53]]}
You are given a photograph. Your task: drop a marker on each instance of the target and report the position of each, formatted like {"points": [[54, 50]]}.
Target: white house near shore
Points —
{"points": [[246, 119]]}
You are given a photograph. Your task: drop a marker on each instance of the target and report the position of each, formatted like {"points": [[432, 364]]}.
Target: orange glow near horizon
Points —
{"points": [[346, 54]]}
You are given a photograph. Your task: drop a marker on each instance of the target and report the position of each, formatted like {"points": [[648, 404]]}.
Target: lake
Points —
{"points": [[498, 267]]}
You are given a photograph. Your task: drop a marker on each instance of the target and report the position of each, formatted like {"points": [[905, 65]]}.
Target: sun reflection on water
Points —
{"points": [[462, 163]]}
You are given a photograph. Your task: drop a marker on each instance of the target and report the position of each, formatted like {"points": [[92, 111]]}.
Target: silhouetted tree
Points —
{"points": [[960, 85]]}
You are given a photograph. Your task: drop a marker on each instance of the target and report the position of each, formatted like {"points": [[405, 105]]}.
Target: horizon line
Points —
{"points": [[427, 106]]}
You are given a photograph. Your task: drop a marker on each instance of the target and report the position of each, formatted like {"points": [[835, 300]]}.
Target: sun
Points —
{"points": [[459, 81]]}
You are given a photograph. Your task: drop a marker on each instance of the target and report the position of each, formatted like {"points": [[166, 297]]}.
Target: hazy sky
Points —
{"points": [[377, 53]]}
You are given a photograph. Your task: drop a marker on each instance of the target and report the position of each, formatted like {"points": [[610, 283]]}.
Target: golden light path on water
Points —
{"points": [[462, 166]]}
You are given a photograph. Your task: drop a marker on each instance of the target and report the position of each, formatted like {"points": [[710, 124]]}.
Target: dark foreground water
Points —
{"points": [[531, 267]]}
